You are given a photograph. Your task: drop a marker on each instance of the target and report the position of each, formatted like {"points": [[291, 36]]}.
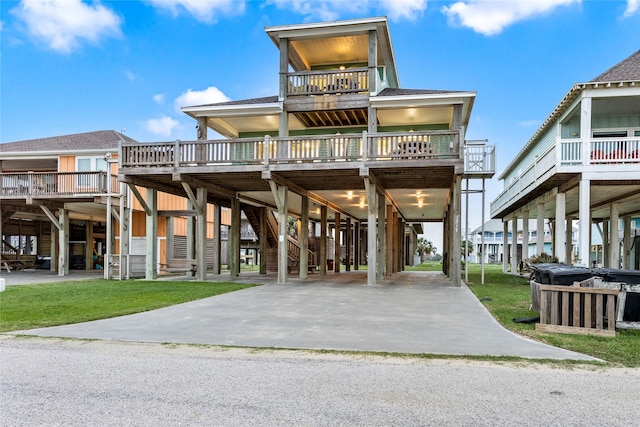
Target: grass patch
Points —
{"points": [[426, 266], [61, 303], [508, 297]]}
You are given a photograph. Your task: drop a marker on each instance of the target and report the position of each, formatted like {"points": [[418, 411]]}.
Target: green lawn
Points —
{"points": [[36, 306], [507, 297], [426, 266]]}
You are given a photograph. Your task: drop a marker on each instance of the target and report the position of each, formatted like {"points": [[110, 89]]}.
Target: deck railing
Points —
{"points": [[52, 184], [296, 149], [617, 150], [352, 80]]}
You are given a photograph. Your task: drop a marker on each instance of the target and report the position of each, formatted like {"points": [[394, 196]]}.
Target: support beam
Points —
{"points": [[201, 234], [348, 244], [525, 235], [357, 244], [262, 240], [382, 242], [372, 238], [217, 240], [626, 240], [51, 217], [323, 240], [281, 195], [614, 236], [540, 229], [63, 243], [389, 241], [456, 232], [233, 254], [514, 245], [303, 237], [140, 199], [88, 247], [505, 246], [558, 247], [338, 242], [568, 248], [151, 262]]}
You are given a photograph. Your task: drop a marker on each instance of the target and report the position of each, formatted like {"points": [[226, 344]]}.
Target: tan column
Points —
{"points": [[336, 257]]}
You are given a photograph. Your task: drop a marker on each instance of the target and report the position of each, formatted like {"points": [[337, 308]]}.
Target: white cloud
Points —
{"points": [[202, 10], [490, 17], [159, 98], [63, 24], [330, 10], [632, 7], [528, 123], [210, 95], [162, 126], [397, 10], [130, 75]]}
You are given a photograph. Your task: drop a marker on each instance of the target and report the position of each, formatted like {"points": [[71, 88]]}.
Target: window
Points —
{"points": [[89, 164], [610, 134]]}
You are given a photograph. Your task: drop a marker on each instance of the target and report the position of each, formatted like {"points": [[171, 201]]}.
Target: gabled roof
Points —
{"points": [[98, 140], [626, 72], [629, 69]]}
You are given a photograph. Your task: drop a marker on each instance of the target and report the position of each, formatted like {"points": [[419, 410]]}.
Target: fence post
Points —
{"points": [[176, 153]]}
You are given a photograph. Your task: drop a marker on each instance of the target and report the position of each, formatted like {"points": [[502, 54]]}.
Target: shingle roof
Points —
{"points": [[98, 140], [263, 100], [628, 69], [404, 92]]}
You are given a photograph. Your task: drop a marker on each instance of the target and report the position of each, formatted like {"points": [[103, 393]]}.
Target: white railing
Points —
{"points": [[615, 150], [295, 149], [38, 184], [570, 151], [479, 159], [328, 81], [526, 180]]}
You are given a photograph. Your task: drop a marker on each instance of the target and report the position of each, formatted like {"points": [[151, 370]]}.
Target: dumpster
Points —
{"points": [[567, 275]]}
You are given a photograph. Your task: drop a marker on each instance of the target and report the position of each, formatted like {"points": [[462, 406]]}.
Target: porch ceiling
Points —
{"points": [[331, 185]]}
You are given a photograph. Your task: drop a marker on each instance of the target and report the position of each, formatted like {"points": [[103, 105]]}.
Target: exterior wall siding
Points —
{"points": [[544, 143]]}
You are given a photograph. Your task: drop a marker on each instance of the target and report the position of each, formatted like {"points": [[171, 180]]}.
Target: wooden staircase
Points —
{"points": [[293, 246]]}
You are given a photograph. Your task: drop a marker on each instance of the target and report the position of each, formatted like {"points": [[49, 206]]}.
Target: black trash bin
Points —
{"points": [[567, 275]]}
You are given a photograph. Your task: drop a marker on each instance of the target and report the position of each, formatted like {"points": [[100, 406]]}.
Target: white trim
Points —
{"points": [[234, 110]]}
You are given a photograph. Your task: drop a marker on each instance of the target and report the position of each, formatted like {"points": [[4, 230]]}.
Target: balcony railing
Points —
{"points": [[352, 80], [52, 184], [298, 149], [602, 151]]}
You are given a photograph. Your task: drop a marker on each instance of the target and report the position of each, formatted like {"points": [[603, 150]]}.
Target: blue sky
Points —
{"points": [[70, 66]]}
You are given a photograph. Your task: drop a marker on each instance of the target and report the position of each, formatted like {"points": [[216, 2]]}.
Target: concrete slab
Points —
{"points": [[413, 312]]}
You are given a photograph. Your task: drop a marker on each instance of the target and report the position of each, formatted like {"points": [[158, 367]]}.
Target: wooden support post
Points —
{"points": [[584, 219], [338, 245], [540, 228], [281, 196], [558, 247], [525, 235], [262, 240], [54, 246], [605, 243], [357, 244], [323, 240], [125, 235], [382, 250], [170, 238], [303, 237], [568, 248], [191, 233], [514, 245], [614, 237], [151, 262], [217, 241], [372, 247], [63, 236], [626, 240], [88, 247], [348, 242], [201, 235], [456, 232], [233, 255], [390, 243]]}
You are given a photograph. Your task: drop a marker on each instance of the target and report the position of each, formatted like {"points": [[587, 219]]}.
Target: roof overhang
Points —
{"points": [[418, 101]]}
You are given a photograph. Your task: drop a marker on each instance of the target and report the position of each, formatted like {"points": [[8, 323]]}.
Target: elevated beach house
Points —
{"points": [[341, 146], [583, 165]]}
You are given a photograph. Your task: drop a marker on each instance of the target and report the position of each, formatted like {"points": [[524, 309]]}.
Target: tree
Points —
{"points": [[425, 248]]}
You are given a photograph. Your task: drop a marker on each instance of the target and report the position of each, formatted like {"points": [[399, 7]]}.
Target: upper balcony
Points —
{"points": [[354, 80], [619, 156], [407, 147], [57, 185]]}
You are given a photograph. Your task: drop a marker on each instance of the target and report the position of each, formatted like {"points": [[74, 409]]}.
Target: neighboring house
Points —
{"points": [[340, 144], [56, 194], [583, 164], [494, 241]]}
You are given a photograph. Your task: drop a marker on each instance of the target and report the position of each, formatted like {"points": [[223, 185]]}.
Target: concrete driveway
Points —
{"points": [[412, 312]]}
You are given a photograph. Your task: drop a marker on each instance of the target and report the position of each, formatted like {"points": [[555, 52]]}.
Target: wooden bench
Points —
{"points": [[179, 265]]}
